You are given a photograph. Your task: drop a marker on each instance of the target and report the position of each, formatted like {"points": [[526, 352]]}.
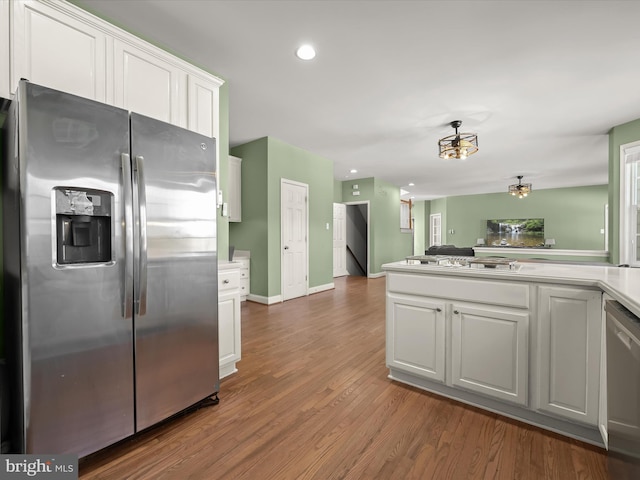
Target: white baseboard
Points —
{"points": [[265, 300], [278, 298], [377, 275], [321, 288]]}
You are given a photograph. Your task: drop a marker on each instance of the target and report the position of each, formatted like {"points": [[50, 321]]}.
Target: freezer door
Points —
{"points": [[175, 269], [75, 334]]}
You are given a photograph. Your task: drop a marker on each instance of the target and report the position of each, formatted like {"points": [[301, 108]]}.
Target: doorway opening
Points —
{"points": [[357, 238]]}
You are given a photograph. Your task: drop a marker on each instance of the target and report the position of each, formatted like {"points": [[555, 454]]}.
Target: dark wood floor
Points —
{"points": [[312, 400]]}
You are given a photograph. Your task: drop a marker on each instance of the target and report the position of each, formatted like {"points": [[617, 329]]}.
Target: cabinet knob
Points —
{"points": [[225, 281], [438, 309], [456, 312]]}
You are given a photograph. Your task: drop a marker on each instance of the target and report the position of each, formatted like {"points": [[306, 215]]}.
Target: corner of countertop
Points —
{"points": [[228, 265]]}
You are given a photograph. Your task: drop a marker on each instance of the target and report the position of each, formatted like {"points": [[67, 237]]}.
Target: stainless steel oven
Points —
{"points": [[623, 392]]}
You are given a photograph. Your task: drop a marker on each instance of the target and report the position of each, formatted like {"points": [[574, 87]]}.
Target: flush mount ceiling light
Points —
{"points": [[459, 145], [520, 190], [305, 52]]}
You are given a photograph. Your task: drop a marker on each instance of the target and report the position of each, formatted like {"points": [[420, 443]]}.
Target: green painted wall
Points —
{"points": [[265, 162], [337, 191], [366, 187], [619, 135], [573, 216], [251, 234], [427, 226], [418, 214], [387, 243]]}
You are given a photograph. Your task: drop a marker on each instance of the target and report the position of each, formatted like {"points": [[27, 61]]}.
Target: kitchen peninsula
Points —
{"points": [[525, 342]]}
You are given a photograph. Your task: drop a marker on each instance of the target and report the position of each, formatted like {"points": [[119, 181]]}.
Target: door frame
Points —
{"points": [[284, 181]]}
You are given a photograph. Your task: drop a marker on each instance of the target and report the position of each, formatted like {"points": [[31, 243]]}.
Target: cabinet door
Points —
{"points": [[416, 336], [234, 187], [149, 84], [489, 351], [228, 330], [57, 50], [203, 106], [569, 336]]}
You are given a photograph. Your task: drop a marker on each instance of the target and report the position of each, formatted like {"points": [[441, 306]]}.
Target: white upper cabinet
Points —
{"points": [[58, 45], [57, 50], [203, 98], [148, 84]]}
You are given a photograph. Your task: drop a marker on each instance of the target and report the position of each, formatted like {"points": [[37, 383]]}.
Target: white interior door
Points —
{"points": [[339, 240], [435, 230], [295, 229]]}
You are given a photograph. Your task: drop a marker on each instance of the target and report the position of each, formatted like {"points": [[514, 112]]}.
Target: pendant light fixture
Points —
{"points": [[459, 145], [520, 190]]}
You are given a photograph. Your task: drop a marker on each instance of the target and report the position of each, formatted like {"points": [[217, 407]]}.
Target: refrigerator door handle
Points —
{"points": [[127, 207], [141, 301]]}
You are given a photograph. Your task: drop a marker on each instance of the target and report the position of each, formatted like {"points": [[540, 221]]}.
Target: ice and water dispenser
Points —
{"points": [[83, 226]]}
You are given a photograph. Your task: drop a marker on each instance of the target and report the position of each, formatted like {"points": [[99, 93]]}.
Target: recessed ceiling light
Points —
{"points": [[411, 184], [353, 170], [305, 52]]}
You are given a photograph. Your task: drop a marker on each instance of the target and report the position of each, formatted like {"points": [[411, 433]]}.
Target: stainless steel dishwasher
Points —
{"points": [[623, 392]]}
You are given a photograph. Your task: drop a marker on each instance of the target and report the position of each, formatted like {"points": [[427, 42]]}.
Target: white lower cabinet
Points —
{"points": [[416, 335], [229, 338], [530, 351], [489, 351], [569, 349], [488, 345]]}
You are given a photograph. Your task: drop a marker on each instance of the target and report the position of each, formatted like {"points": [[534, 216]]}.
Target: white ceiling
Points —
{"points": [[540, 82]]}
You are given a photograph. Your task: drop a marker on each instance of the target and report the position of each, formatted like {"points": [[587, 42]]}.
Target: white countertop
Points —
{"points": [[226, 265], [623, 284]]}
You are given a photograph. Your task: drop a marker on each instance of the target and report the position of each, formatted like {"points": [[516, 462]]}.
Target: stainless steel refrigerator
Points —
{"points": [[110, 264]]}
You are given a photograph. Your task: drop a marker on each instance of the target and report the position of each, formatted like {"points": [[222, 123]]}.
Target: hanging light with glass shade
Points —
{"points": [[520, 190], [458, 145]]}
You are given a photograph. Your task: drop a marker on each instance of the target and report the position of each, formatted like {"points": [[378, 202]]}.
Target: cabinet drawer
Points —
{"points": [[244, 286], [509, 294], [228, 280], [244, 273]]}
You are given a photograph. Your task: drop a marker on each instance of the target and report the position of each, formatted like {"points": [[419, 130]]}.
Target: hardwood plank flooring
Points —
{"points": [[312, 400]]}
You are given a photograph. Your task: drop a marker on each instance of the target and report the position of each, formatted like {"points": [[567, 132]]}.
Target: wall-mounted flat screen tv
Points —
{"points": [[519, 232]]}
